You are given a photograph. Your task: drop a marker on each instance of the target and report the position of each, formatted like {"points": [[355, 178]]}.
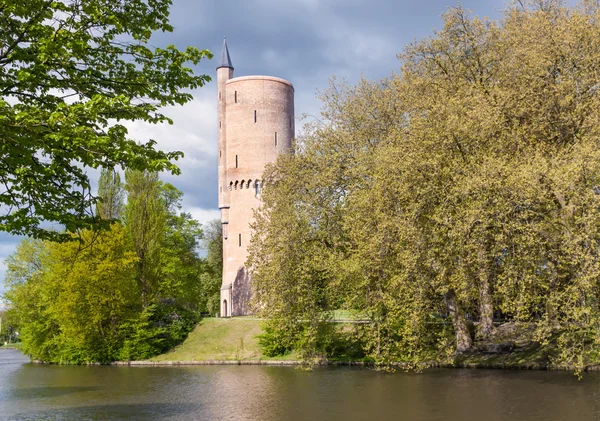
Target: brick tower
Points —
{"points": [[256, 123]]}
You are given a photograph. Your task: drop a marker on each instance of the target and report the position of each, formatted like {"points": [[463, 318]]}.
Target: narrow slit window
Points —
{"points": [[255, 116], [219, 124], [236, 161], [219, 95], [219, 154], [240, 239], [235, 97], [257, 189], [275, 138], [290, 122]]}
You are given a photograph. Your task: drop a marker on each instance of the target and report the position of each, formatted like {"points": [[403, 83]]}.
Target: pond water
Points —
{"points": [[45, 392]]}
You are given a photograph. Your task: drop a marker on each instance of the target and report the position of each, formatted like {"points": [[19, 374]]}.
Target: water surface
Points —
{"points": [[45, 392]]}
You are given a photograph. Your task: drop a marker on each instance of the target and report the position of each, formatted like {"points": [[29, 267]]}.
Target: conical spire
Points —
{"points": [[225, 59]]}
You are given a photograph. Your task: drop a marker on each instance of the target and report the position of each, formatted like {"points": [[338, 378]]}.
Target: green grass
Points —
{"points": [[15, 345], [235, 339], [221, 339], [345, 316]]}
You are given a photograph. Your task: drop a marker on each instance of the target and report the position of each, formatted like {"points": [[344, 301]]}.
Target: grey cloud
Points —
{"points": [[303, 41], [8, 244]]}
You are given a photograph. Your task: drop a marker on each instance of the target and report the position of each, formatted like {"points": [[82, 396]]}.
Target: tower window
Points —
{"points": [[275, 138], [255, 116], [257, 189], [219, 154], [290, 122], [219, 124], [236, 161], [240, 239], [235, 97], [219, 95]]}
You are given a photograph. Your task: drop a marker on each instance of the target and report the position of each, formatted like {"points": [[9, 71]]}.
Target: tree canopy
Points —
{"points": [[462, 189], [71, 73], [128, 292]]}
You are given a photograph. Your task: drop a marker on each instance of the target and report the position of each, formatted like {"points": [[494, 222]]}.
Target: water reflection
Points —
{"points": [[42, 392], [34, 392]]}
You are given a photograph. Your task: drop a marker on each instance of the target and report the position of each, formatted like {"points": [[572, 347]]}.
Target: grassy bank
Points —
{"points": [[229, 340], [13, 345], [232, 339]]}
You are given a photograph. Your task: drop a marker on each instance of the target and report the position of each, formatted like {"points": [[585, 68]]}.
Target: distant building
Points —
{"points": [[256, 123]]}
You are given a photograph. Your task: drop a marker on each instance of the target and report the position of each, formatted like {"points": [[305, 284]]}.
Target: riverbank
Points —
{"points": [[234, 341], [221, 339], [11, 346]]}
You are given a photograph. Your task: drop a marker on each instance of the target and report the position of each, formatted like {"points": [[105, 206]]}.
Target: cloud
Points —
{"points": [[8, 244], [204, 215], [194, 128], [194, 132], [303, 41]]}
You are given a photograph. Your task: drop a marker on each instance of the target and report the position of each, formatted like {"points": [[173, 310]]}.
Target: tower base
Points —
{"points": [[226, 303], [235, 296]]}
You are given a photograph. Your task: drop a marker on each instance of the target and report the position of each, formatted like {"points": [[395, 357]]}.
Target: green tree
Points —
{"points": [[93, 300], [180, 264], [462, 186], [71, 301], [111, 195], [10, 328], [211, 278], [145, 221], [70, 73]]}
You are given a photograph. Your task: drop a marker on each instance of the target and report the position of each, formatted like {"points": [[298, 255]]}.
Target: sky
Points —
{"points": [[304, 41]]}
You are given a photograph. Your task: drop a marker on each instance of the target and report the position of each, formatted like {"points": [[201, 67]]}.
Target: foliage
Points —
{"points": [[71, 73], [69, 308], [211, 278], [145, 221], [111, 195], [157, 328], [94, 300], [180, 266], [275, 341], [462, 187], [9, 329]]}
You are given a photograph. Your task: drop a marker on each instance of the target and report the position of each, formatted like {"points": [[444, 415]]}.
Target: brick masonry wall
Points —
{"points": [[259, 124]]}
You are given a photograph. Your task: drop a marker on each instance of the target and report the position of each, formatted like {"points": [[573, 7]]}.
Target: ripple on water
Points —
{"points": [[45, 392]]}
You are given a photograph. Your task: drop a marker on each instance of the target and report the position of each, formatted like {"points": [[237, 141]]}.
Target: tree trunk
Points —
{"points": [[486, 305], [486, 310], [463, 336]]}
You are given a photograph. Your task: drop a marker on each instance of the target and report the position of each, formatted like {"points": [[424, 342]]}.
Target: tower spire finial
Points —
{"points": [[225, 59]]}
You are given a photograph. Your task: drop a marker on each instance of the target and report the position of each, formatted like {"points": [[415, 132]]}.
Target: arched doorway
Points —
{"points": [[225, 308]]}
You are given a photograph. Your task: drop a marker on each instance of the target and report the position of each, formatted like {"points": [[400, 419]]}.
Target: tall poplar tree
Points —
{"points": [[145, 222], [111, 195], [211, 278]]}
